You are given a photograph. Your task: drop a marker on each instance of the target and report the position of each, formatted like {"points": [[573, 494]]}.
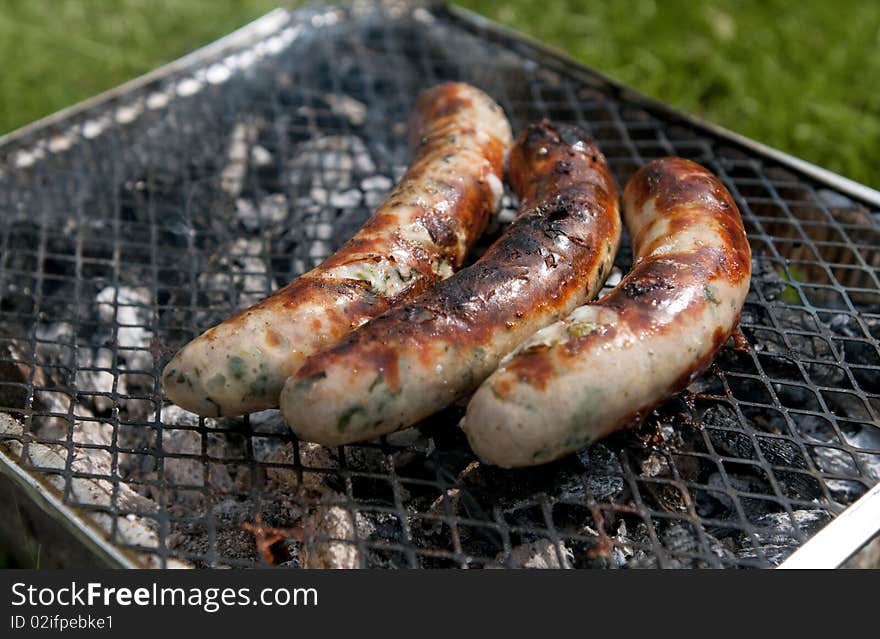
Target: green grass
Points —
{"points": [[799, 76]]}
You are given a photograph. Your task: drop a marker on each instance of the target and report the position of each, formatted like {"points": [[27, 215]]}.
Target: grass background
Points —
{"points": [[800, 76]]}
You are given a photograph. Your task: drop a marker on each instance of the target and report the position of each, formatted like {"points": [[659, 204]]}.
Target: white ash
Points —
{"points": [[353, 110], [271, 212], [346, 199], [130, 529], [541, 554], [193, 472], [99, 381], [337, 160], [261, 156], [324, 231], [377, 183], [132, 315], [507, 209], [239, 268], [233, 174], [319, 251], [334, 528], [614, 277], [776, 536]]}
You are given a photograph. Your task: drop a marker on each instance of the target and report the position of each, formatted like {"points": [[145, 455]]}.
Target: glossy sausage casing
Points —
{"points": [[419, 235], [423, 355], [610, 363]]}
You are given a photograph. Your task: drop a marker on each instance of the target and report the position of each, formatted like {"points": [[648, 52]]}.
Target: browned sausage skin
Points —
{"points": [[419, 235], [609, 363], [419, 357]]}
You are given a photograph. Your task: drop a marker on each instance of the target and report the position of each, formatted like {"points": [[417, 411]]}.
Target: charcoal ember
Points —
{"points": [[844, 492], [380, 526], [680, 541], [540, 554], [864, 437], [781, 452], [268, 422], [825, 375], [767, 276], [604, 474], [720, 504], [655, 464], [845, 325], [732, 443], [834, 461], [776, 536], [794, 395]]}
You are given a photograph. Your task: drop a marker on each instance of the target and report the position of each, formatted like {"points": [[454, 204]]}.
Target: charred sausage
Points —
{"points": [[421, 356], [419, 235], [608, 364]]}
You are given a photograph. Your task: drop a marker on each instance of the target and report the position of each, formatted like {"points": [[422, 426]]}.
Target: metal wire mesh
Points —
{"points": [[131, 226]]}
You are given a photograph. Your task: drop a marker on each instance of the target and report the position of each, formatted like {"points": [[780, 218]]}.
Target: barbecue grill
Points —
{"points": [[136, 220]]}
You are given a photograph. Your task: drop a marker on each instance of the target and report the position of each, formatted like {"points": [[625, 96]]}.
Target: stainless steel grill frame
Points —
{"points": [[137, 219]]}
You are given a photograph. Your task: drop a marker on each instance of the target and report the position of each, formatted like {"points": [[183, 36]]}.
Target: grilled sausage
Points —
{"points": [[610, 363], [419, 235], [425, 354]]}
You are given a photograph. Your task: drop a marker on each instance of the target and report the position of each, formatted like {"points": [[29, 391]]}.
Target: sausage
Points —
{"points": [[610, 363], [423, 355], [417, 236]]}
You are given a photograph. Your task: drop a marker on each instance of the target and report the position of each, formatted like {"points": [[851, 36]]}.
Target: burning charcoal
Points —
{"points": [[768, 277], [541, 554], [680, 540], [752, 508], [865, 437], [834, 461], [776, 536], [846, 326], [604, 474], [731, 443], [334, 546]]}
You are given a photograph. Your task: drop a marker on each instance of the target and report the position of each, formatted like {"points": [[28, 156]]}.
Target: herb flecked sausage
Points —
{"points": [[421, 356], [418, 236], [610, 363]]}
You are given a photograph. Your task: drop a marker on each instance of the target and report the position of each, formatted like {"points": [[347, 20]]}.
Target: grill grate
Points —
{"points": [[135, 223]]}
